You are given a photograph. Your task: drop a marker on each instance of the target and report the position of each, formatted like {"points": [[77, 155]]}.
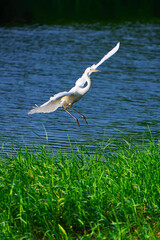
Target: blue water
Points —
{"points": [[39, 61]]}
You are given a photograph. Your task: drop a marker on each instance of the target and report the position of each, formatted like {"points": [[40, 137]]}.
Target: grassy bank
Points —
{"points": [[110, 194]]}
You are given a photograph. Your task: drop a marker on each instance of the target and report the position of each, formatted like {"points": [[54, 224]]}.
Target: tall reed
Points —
{"points": [[111, 193]]}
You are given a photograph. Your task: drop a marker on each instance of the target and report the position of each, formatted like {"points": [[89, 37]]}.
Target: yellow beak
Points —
{"points": [[95, 70]]}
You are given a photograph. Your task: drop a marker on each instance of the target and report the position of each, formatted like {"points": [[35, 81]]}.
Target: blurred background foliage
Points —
{"points": [[86, 11]]}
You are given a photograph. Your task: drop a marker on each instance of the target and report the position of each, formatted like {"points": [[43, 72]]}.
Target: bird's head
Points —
{"points": [[89, 70]]}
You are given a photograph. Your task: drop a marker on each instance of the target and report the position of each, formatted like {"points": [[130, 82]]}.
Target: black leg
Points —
{"points": [[79, 114], [72, 115]]}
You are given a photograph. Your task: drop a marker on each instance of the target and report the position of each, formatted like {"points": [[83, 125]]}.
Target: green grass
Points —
{"points": [[113, 193]]}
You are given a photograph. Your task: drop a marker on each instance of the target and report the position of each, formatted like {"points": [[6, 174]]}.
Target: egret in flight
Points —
{"points": [[67, 99]]}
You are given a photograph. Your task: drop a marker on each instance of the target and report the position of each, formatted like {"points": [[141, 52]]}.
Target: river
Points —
{"points": [[37, 62]]}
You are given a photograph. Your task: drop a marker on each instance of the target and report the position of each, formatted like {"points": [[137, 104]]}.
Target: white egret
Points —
{"points": [[67, 99]]}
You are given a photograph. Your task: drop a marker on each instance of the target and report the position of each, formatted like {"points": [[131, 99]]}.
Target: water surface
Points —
{"points": [[39, 61]]}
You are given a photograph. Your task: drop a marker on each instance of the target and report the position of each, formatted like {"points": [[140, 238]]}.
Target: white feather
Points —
{"points": [[81, 81], [51, 105], [108, 55]]}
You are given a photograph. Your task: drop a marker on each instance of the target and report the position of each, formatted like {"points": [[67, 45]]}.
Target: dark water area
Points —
{"points": [[39, 61]]}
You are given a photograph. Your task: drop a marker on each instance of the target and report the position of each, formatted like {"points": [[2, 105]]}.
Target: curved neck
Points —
{"points": [[86, 89]]}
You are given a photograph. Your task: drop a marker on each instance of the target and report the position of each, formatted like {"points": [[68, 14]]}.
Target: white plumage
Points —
{"points": [[81, 81], [66, 99]]}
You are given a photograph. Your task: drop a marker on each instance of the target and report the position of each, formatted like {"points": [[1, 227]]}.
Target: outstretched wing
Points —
{"points": [[50, 106], [108, 55], [81, 81]]}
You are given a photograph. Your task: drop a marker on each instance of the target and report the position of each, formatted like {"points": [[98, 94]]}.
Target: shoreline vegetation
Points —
{"points": [[111, 193], [16, 12]]}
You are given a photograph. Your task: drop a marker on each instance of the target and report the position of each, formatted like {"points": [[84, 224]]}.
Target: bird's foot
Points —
{"points": [[84, 119], [77, 122]]}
